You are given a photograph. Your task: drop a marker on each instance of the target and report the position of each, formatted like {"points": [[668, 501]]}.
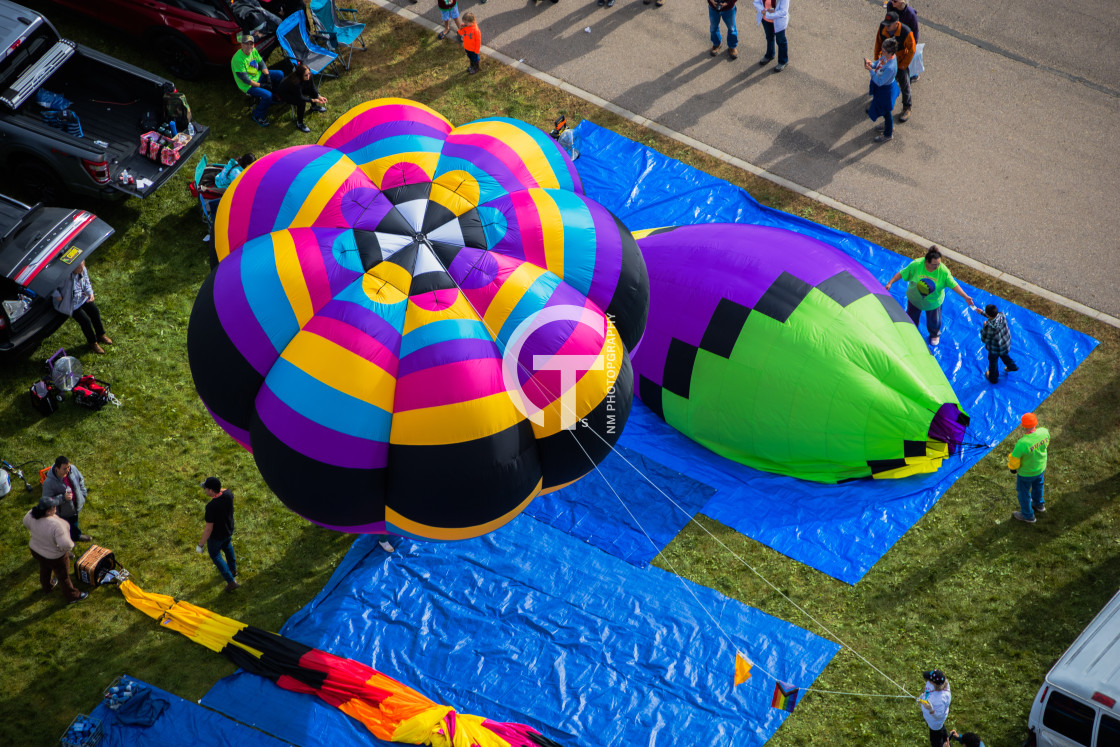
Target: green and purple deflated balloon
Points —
{"points": [[782, 353]]}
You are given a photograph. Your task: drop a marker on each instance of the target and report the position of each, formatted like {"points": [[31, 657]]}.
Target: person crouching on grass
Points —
{"points": [[472, 41]]}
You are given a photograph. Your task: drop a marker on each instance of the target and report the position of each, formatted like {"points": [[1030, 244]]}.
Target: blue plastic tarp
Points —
{"points": [[531, 625], [636, 523], [841, 530], [181, 722]]}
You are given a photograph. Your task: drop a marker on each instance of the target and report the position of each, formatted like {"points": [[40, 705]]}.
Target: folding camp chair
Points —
{"points": [[341, 31], [295, 39]]}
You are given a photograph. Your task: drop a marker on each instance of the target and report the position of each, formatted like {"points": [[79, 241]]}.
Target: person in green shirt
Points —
{"points": [[1028, 461], [254, 78], [928, 279]]}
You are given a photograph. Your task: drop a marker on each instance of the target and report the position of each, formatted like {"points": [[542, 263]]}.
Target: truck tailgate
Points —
{"points": [[141, 167]]}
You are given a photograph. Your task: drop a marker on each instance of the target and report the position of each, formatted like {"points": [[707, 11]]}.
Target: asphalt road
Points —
{"points": [[1012, 156]]}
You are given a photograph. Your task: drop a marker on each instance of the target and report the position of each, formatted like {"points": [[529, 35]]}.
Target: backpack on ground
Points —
{"points": [[45, 396]]}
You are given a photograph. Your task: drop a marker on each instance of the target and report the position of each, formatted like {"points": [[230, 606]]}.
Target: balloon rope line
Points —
{"points": [[707, 612]]}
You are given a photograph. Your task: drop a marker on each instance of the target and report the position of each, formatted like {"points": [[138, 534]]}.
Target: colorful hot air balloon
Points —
{"points": [[417, 328], [782, 353]]}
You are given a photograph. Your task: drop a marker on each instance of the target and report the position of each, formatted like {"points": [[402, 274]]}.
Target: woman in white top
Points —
{"points": [[773, 16]]}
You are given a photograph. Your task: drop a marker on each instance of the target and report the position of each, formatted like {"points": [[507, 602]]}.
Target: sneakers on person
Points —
{"points": [[1019, 515], [317, 109], [232, 586], [880, 127], [933, 340], [81, 596], [85, 538], [887, 139], [905, 114], [780, 67], [54, 583], [1011, 368], [262, 121], [715, 50], [1040, 508], [914, 78], [472, 70], [765, 61], [733, 53], [104, 338], [386, 546], [302, 127]]}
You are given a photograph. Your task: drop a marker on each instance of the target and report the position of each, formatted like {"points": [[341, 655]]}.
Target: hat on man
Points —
{"points": [[246, 38], [891, 19], [1030, 420], [212, 483], [49, 502]]}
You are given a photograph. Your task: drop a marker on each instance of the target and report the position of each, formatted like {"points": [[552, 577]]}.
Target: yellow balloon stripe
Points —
{"points": [[387, 283], [325, 189], [457, 422], [377, 168], [508, 296], [417, 316], [521, 143], [552, 225], [341, 369], [457, 191], [291, 276], [450, 533]]}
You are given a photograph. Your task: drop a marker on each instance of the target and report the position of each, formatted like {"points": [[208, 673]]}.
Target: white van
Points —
{"points": [[1078, 704]]}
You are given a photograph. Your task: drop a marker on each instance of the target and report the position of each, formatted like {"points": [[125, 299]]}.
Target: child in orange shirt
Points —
{"points": [[472, 41]]}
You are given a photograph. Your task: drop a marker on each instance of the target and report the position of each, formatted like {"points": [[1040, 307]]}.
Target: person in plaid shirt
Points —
{"points": [[997, 339]]}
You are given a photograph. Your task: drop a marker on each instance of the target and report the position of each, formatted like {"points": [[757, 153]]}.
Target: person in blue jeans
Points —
{"points": [[217, 534], [252, 76], [773, 16], [1027, 461], [723, 11]]}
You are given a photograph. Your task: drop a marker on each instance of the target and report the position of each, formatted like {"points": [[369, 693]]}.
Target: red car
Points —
{"points": [[185, 35]]}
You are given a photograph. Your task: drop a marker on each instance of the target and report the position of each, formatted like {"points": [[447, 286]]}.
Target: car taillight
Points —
{"points": [[3, 321], [1042, 698], [1106, 700], [98, 170]]}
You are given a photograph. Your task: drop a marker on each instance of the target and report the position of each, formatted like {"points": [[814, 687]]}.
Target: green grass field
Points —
{"points": [[990, 601]]}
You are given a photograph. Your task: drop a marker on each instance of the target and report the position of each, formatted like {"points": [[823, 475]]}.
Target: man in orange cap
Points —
{"points": [[1028, 461]]}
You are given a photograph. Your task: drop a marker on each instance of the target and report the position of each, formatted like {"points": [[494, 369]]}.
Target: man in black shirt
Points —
{"points": [[217, 535]]}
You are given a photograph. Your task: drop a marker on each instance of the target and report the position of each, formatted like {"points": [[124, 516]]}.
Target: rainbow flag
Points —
{"points": [[785, 697]]}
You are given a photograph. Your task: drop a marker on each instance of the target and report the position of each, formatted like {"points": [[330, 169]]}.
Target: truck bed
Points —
{"points": [[110, 104]]}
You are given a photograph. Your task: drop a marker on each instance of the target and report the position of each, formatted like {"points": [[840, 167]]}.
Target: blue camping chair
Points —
{"points": [[341, 31], [296, 42]]}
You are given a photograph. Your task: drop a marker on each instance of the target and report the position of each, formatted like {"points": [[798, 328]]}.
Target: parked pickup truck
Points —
{"points": [[39, 248], [114, 104]]}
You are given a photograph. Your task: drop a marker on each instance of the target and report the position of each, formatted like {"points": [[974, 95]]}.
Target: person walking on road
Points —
{"points": [[892, 28], [773, 16], [723, 11], [883, 89], [1028, 461], [217, 534], [928, 279]]}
